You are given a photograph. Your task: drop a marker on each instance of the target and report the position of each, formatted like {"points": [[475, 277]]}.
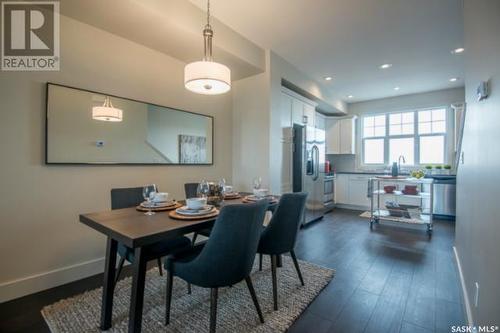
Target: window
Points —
{"points": [[418, 136]]}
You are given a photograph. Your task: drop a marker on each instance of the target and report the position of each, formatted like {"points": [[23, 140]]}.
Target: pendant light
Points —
{"points": [[207, 76], [107, 112]]}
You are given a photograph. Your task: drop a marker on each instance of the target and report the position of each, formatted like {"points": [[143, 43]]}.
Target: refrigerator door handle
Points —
{"points": [[316, 162]]}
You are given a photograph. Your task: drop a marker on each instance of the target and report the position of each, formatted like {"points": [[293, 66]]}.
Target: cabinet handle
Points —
{"points": [[304, 119]]}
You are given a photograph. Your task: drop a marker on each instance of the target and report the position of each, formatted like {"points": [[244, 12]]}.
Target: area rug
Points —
{"points": [[190, 312]]}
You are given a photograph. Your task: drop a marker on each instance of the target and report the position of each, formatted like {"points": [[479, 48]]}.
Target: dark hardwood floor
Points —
{"points": [[391, 279]]}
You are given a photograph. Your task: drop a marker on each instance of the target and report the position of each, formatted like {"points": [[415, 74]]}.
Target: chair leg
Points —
{"points": [[248, 280], [275, 281], [296, 263], [260, 261], [168, 299], [213, 309], [159, 266], [189, 288], [120, 266], [195, 235]]}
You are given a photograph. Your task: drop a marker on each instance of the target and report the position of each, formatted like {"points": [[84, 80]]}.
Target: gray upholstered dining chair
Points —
{"points": [[132, 197], [281, 233], [224, 260], [191, 190]]}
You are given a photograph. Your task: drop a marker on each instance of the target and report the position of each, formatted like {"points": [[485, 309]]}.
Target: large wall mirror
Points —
{"points": [[85, 127]]}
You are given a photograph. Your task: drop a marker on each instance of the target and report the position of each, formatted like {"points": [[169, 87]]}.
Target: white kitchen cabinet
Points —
{"points": [[342, 189], [340, 135], [286, 110], [358, 190], [352, 190], [319, 121], [297, 111], [332, 135], [309, 113], [347, 135]]}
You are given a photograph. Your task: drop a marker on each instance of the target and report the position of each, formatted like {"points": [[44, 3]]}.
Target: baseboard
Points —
{"points": [[351, 207], [31, 284], [465, 295]]}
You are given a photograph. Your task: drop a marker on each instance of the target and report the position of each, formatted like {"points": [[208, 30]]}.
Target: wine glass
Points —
{"points": [[149, 192], [257, 183], [203, 189], [222, 185]]}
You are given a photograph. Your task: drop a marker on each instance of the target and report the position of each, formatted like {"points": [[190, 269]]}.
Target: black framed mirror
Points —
{"points": [[88, 127]]}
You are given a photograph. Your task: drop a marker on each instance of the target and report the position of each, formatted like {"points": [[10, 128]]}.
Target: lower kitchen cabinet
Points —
{"points": [[352, 189], [342, 189]]}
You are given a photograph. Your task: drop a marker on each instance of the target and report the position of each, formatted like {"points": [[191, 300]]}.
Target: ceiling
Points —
{"points": [[350, 39], [173, 27]]}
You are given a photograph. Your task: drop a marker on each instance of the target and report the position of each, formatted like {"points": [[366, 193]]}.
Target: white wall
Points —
{"points": [[42, 242], [478, 225], [409, 102], [251, 131]]}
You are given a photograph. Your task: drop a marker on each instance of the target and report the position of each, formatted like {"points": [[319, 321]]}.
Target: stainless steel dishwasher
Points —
{"points": [[445, 190]]}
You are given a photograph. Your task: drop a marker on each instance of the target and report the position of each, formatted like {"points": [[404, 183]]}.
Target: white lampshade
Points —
{"points": [[107, 112], [207, 77]]}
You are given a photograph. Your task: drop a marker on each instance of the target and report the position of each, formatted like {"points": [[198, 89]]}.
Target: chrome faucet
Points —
{"points": [[399, 163]]}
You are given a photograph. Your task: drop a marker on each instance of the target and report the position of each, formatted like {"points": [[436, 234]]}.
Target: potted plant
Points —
{"points": [[428, 169], [439, 169], [447, 169]]}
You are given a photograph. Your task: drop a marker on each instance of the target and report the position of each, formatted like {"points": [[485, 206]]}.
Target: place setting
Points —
{"points": [[156, 201], [195, 208], [259, 193]]}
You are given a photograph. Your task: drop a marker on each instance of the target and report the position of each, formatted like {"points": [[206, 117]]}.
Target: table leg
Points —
{"points": [[108, 284], [137, 296]]}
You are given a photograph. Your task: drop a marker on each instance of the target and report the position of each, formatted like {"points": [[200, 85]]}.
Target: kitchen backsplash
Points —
{"points": [[342, 163]]}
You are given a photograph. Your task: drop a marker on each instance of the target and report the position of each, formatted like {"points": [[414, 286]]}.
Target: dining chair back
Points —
{"points": [[126, 197], [132, 197], [191, 190], [226, 258], [280, 235]]}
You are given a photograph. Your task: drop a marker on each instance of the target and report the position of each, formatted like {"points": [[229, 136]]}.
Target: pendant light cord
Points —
{"points": [[207, 36], [208, 13]]}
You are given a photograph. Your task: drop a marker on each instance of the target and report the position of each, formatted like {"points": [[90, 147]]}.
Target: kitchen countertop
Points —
{"points": [[380, 173]]}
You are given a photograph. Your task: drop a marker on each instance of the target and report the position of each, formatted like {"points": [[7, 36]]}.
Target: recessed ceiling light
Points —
{"points": [[385, 66], [350, 96], [453, 79], [396, 88], [458, 50], [328, 78]]}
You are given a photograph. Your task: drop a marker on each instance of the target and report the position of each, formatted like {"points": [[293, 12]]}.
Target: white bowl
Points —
{"points": [[261, 192], [228, 189], [160, 197], [196, 203]]}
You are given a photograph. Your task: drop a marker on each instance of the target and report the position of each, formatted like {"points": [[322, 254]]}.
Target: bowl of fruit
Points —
{"points": [[418, 174]]}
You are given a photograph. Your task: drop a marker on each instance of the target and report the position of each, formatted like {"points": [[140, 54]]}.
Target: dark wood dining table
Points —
{"points": [[137, 230]]}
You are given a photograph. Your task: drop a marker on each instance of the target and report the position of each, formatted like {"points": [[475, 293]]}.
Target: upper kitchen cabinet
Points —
{"points": [[309, 114], [320, 121], [340, 135], [302, 111]]}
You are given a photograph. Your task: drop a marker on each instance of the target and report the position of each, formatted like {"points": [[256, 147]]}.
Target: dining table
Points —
{"points": [[136, 230]]}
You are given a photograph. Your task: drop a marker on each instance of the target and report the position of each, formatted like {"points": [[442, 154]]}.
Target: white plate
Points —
{"points": [[256, 198], [145, 204], [184, 210]]}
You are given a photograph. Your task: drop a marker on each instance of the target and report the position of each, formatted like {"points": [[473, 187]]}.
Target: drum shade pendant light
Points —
{"points": [[207, 76], [107, 112]]}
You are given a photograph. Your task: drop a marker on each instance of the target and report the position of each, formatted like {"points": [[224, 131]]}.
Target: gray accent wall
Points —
{"points": [[478, 179]]}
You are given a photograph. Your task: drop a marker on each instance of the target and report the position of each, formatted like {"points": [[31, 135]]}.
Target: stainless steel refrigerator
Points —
{"points": [[309, 168]]}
